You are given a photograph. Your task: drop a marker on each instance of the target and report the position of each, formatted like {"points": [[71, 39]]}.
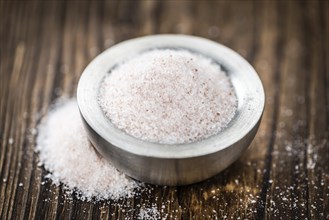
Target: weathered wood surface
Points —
{"points": [[45, 45]]}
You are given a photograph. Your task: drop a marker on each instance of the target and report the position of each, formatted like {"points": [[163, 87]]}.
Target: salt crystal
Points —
{"points": [[33, 131], [10, 141], [65, 151], [168, 96]]}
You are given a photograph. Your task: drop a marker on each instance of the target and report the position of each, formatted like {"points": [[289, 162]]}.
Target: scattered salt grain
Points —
{"points": [[69, 157], [10, 141], [149, 213], [168, 96]]}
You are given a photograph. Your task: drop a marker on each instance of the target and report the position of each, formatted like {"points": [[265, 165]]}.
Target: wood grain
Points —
{"points": [[45, 45]]}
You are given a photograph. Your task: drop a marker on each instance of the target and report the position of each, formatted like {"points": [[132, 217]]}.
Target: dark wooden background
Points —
{"points": [[45, 45]]}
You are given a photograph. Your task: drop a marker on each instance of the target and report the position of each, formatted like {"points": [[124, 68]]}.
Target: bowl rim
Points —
{"points": [[251, 100]]}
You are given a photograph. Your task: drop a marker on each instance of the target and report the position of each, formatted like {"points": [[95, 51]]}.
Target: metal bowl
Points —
{"points": [[172, 164]]}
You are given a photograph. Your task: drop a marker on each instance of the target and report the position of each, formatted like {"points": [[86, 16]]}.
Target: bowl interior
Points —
{"points": [[247, 85]]}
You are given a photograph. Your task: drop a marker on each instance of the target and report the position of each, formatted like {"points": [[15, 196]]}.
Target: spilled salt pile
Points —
{"points": [[168, 96], [69, 157]]}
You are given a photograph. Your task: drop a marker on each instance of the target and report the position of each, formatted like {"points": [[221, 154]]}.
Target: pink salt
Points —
{"points": [[168, 96], [66, 153]]}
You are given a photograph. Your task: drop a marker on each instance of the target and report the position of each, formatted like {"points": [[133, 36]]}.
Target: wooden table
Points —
{"points": [[45, 45]]}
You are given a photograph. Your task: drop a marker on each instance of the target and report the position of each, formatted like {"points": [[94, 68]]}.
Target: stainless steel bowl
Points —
{"points": [[172, 164]]}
